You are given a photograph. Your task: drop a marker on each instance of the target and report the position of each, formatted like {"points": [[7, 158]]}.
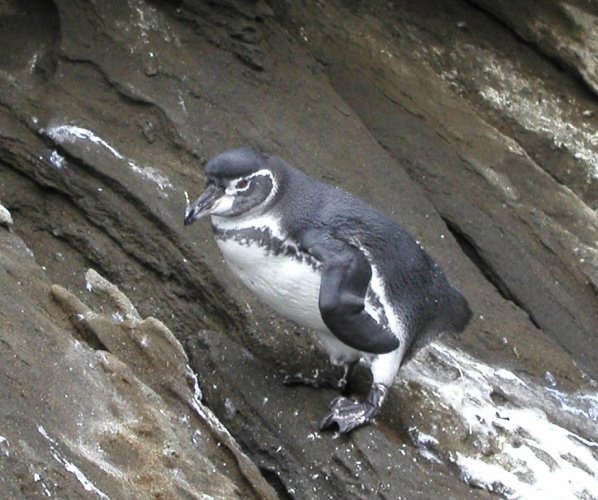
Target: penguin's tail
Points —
{"points": [[460, 313], [455, 316]]}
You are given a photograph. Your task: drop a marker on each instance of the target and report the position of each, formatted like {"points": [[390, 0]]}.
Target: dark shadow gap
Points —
{"points": [[276, 483], [470, 251]]}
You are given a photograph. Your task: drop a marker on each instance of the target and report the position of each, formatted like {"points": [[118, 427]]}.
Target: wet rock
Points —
{"points": [[151, 66], [505, 433]]}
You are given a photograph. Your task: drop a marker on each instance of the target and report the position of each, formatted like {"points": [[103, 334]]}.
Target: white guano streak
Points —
{"points": [[63, 134], [69, 466]]}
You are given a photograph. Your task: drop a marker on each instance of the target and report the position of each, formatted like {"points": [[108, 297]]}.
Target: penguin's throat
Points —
{"points": [[268, 239]]}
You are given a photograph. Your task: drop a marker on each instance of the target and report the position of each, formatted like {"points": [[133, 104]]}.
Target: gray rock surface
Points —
{"points": [[437, 113], [564, 31], [104, 404]]}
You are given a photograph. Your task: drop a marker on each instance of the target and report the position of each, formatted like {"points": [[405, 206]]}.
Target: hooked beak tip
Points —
{"points": [[202, 206], [193, 213], [189, 217]]}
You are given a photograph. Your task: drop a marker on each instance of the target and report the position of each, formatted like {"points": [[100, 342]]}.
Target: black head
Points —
{"points": [[235, 163], [239, 182]]}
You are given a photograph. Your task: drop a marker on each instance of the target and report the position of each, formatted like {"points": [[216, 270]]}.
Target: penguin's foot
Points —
{"points": [[334, 378], [348, 415], [300, 379]]}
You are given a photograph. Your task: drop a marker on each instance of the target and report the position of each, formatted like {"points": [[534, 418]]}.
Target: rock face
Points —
{"points": [[104, 403], [448, 116]]}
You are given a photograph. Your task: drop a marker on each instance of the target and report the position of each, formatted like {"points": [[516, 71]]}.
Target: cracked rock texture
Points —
{"points": [[472, 123]]}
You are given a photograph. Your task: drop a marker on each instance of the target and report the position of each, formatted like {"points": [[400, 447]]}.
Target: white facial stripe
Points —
{"points": [[223, 205], [272, 180], [231, 190], [263, 171]]}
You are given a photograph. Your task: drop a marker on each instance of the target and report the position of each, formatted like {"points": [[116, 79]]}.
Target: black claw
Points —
{"points": [[326, 422]]}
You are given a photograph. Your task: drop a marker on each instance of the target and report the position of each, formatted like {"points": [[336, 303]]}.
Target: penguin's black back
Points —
{"points": [[415, 284]]}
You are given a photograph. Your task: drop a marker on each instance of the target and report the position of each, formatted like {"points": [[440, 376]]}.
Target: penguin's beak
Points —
{"points": [[204, 204]]}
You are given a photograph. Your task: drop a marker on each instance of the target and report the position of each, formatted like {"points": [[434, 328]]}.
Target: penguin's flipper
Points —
{"points": [[346, 275]]}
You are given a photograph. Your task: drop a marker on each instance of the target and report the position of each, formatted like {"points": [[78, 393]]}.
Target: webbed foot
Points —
{"points": [[348, 415]]}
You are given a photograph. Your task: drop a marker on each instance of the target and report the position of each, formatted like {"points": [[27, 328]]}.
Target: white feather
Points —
{"points": [[287, 285]]}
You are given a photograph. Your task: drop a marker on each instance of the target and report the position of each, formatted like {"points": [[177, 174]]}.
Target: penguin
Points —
{"points": [[328, 261]]}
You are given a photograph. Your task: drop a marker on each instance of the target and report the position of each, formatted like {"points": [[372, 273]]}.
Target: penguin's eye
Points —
{"points": [[242, 184]]}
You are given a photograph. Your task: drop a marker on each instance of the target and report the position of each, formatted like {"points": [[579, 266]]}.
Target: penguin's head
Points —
{"points": [[239, 182]]}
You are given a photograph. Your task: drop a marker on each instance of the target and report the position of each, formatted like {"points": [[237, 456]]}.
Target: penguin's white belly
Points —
{"points": [[288, 285]]}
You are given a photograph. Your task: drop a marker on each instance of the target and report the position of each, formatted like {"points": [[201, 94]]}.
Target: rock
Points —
{"points": [[374, 462], [5, 217], [77, 421], [471, 139], [566, 31], [505, 433], [491, 424], [155, 356]]}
